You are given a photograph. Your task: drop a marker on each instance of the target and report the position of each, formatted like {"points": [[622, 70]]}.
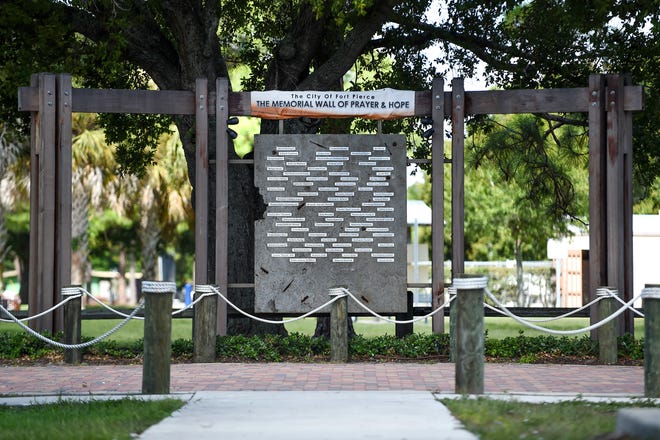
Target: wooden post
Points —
{"points": [[626, 131], [651, 298], [204, 341], [438, 203], [615, 200], [607, 334], [597, 178], [72, 323], [457, 177], [63, 191], [452, 324], [469, 333], [222, 200], [42, 204], [403, 330], [339, 327], [204, 319], [157, 336]]}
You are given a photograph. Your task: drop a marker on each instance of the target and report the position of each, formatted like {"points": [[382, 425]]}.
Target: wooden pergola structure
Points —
{"points": [[608, 99]]}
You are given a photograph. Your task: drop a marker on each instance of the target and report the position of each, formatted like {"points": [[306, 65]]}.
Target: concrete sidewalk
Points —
{"points": [[302, 415]]}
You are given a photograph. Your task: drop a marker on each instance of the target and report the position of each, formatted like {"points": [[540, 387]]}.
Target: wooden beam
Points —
{"points": [[597, 178], [222, 199], [626, 291], [63, 168], [204, 321], [458, 177], [34, 298], [179, 102], [614, 186], [47, 196], [438, 203], [201, 181]]}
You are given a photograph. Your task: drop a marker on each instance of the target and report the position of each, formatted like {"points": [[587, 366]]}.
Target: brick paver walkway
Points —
{"points": [[499, 378]]}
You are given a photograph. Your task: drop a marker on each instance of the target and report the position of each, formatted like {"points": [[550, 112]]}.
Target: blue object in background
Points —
{"points": [[188, 289]]}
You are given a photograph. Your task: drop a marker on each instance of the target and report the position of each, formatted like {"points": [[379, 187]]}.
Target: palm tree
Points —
{"points": [[162, 197], [165, 199], [14, 186], [92, 170]]}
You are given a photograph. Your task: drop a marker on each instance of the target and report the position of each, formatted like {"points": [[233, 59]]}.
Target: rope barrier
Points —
{"points": [[565, 315], [158, 286], [73, 346], [470, 283], [107, 307], [393, 321], [45, 312], [637, 312], [502, 309], [141, 318], [206, 288], [192, 304]]}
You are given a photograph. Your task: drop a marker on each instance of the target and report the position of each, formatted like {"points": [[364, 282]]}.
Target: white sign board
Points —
{"points": [[377, 104]]}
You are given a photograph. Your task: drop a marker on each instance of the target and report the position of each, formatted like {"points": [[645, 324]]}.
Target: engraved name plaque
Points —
{"points": [[335, 216]]}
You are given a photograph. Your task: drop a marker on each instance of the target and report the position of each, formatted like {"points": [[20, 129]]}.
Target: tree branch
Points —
{"points": [[482, 48], [146, 47], [327, 75]]}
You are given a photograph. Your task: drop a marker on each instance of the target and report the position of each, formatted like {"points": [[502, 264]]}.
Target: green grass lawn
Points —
{"points": [[497, 327], [112, 419], [493, 419]]}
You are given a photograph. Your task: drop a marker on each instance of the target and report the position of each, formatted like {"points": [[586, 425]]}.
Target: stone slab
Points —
{"points": [[335, 216]]}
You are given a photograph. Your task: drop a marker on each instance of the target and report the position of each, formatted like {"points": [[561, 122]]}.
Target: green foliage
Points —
{"points": [[630, 348], [411, 347], [302, 348], [122, 350], [15, 345], [271, 348]]}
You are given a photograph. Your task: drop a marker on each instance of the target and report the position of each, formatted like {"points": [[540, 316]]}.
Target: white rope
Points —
{"points": [[637, 312], [45, 312], [192, 304], [158, 286], [115, 311], [651, 292], [558, 332], [141, 318], [394, 321], [73, 346], [209, 288], [470, 283], [565, 315]]}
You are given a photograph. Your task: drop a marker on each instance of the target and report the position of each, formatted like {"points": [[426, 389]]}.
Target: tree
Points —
{"points": [[13, 188], [92, 172], [312, 44], [525, 182]]}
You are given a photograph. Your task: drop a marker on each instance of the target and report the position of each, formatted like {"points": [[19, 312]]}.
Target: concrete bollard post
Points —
{"points": [[607, 334], [339, 327], [452, 324], [651, 303], [72, 323], [403, 330], [204, 326], [157, 336], [469, 333]]}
